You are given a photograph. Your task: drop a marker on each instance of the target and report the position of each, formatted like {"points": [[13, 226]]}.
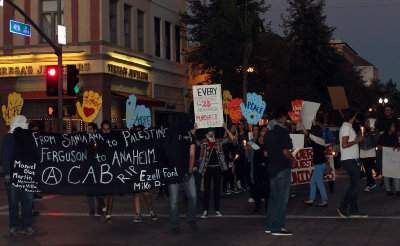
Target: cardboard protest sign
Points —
{"points": [[308, 113], [297, 141], [338, 97], [121, 162], [303, 167], [90, 107], [226, 98], [234, 110], [13, 108], [294, 115], [390, 163], [207, 101], [137, 115], [254, 108]]}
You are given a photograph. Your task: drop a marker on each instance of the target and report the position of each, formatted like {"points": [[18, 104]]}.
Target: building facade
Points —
{"points": [[367, 70], [121, 47]]}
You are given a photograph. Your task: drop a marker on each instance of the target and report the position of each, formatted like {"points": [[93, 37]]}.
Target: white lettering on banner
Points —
{"points": [[69, 175], [105, 172], [90, 172], [43, 139], [51, 176], [135, 157], [62, 156]]}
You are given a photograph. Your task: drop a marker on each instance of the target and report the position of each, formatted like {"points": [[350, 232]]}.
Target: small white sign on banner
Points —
{"points": [[390, 163], [308, 113], [297, 141], [208, 110]]}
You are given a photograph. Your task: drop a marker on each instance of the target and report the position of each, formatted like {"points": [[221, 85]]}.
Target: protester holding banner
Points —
{"points": [[350, 153], [181, 147], [390, 139], [106, 129], [212, 165], [278, 146], [16, 196], [95, 200], [368, 153], [317, 143]]}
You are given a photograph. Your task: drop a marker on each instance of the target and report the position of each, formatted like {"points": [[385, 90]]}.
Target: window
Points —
{"points": [[167, 41], [113, 21], [127, 26], [48, 17], [140, 30], [177, 43], [157, 37]]}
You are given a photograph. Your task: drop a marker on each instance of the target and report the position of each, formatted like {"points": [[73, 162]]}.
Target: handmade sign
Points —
{"points": [[303, 167], [121, 162], [338, 97], [207, 101], [390, 163], [254, 108], [234, 110], [308, 113], [13, 108], [294, 115], [137, 115], [297, 141], [90, 107], [226, 98]]}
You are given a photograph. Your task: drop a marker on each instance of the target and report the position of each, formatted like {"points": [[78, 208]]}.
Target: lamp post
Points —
{"points": [[383, 101]]}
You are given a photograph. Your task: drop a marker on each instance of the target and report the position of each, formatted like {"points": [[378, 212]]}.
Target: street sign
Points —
{"points": [[62, 34], [20, 28]]}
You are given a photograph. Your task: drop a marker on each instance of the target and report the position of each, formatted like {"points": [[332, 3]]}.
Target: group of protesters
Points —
{"points": [[240, 158]]}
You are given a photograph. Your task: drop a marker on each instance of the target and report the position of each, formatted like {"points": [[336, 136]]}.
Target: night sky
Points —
{"points": [[369, 26]]}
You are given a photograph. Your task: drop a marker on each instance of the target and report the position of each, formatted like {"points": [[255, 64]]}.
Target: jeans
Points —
{"points": [[351, 197], [369, 164], [278, 200], [391, 181], [212, 174], [15, 198], [317, 181], [191, 195]]}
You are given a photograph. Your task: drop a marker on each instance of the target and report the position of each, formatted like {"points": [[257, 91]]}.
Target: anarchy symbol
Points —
{"points": [[51, 176]]}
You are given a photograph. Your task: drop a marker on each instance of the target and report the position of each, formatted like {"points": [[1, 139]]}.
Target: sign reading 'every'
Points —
{"points": [[207, 101], [117, 163]]}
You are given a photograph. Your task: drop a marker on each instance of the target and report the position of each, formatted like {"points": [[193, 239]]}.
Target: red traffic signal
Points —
{"points": [[52, 81]]}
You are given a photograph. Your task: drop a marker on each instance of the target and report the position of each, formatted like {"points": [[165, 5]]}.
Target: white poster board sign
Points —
{"points": [[208, 110], [390, 163], [297, 141], [308, 113]]}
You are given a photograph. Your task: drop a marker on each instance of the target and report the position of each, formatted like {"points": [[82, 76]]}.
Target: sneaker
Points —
{"points": [[153, 216], [369, 188], [28, 231], [282, 233], [137, 219], [236, 191], [204, 215], [251, 200], [358, 215], [227, 193], [309, 202], [268, 231], [342, 213], [13, 232], [292, 195], [107, 218], [218, 214]]}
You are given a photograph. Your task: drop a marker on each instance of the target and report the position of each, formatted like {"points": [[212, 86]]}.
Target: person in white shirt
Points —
{"points": [[350, 153]]}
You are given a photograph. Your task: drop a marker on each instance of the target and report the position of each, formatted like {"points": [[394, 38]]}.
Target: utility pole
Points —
{"points": [[57, 50], [60, 111]]}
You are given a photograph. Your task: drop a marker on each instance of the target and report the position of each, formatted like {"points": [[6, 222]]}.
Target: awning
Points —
{"points": [[145, 100], [41, 95]]}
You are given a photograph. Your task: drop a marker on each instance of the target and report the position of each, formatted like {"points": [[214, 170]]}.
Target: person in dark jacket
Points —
{"points": [[317, 143], [16, 196]]}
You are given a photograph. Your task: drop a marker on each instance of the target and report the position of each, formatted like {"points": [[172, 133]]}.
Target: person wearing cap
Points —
{"points": [[16, 196]]}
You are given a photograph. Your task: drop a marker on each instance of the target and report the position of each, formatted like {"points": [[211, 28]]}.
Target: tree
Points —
{"points": [[223, 33], [312, 59]]}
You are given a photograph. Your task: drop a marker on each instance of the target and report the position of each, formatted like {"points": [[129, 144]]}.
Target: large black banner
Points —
{"points": [[117, 163]]}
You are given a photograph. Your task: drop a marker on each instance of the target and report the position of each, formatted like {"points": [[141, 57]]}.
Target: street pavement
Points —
{"points": [[64, 221]]}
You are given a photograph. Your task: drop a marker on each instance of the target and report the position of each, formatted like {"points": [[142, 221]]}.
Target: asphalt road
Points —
{"points": [[64, 221]]}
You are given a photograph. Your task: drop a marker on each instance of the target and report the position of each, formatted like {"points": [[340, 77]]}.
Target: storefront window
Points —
{"points": [[113, 21], [177, 43], [157, 36], [127, 26], [167, 40], [140, 30]]}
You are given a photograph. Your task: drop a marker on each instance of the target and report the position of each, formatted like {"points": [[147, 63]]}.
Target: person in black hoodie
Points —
{"points": [[317, 143]]}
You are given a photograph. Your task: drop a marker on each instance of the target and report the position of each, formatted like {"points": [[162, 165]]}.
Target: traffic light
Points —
{"points": [[72, 80], [52, 81]]}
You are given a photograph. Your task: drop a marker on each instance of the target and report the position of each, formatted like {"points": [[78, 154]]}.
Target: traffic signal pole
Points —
{"points": [[57, 50]]}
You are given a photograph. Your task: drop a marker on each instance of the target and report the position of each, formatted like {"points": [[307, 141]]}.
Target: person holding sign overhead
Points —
{"points": [[212, 164]]}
